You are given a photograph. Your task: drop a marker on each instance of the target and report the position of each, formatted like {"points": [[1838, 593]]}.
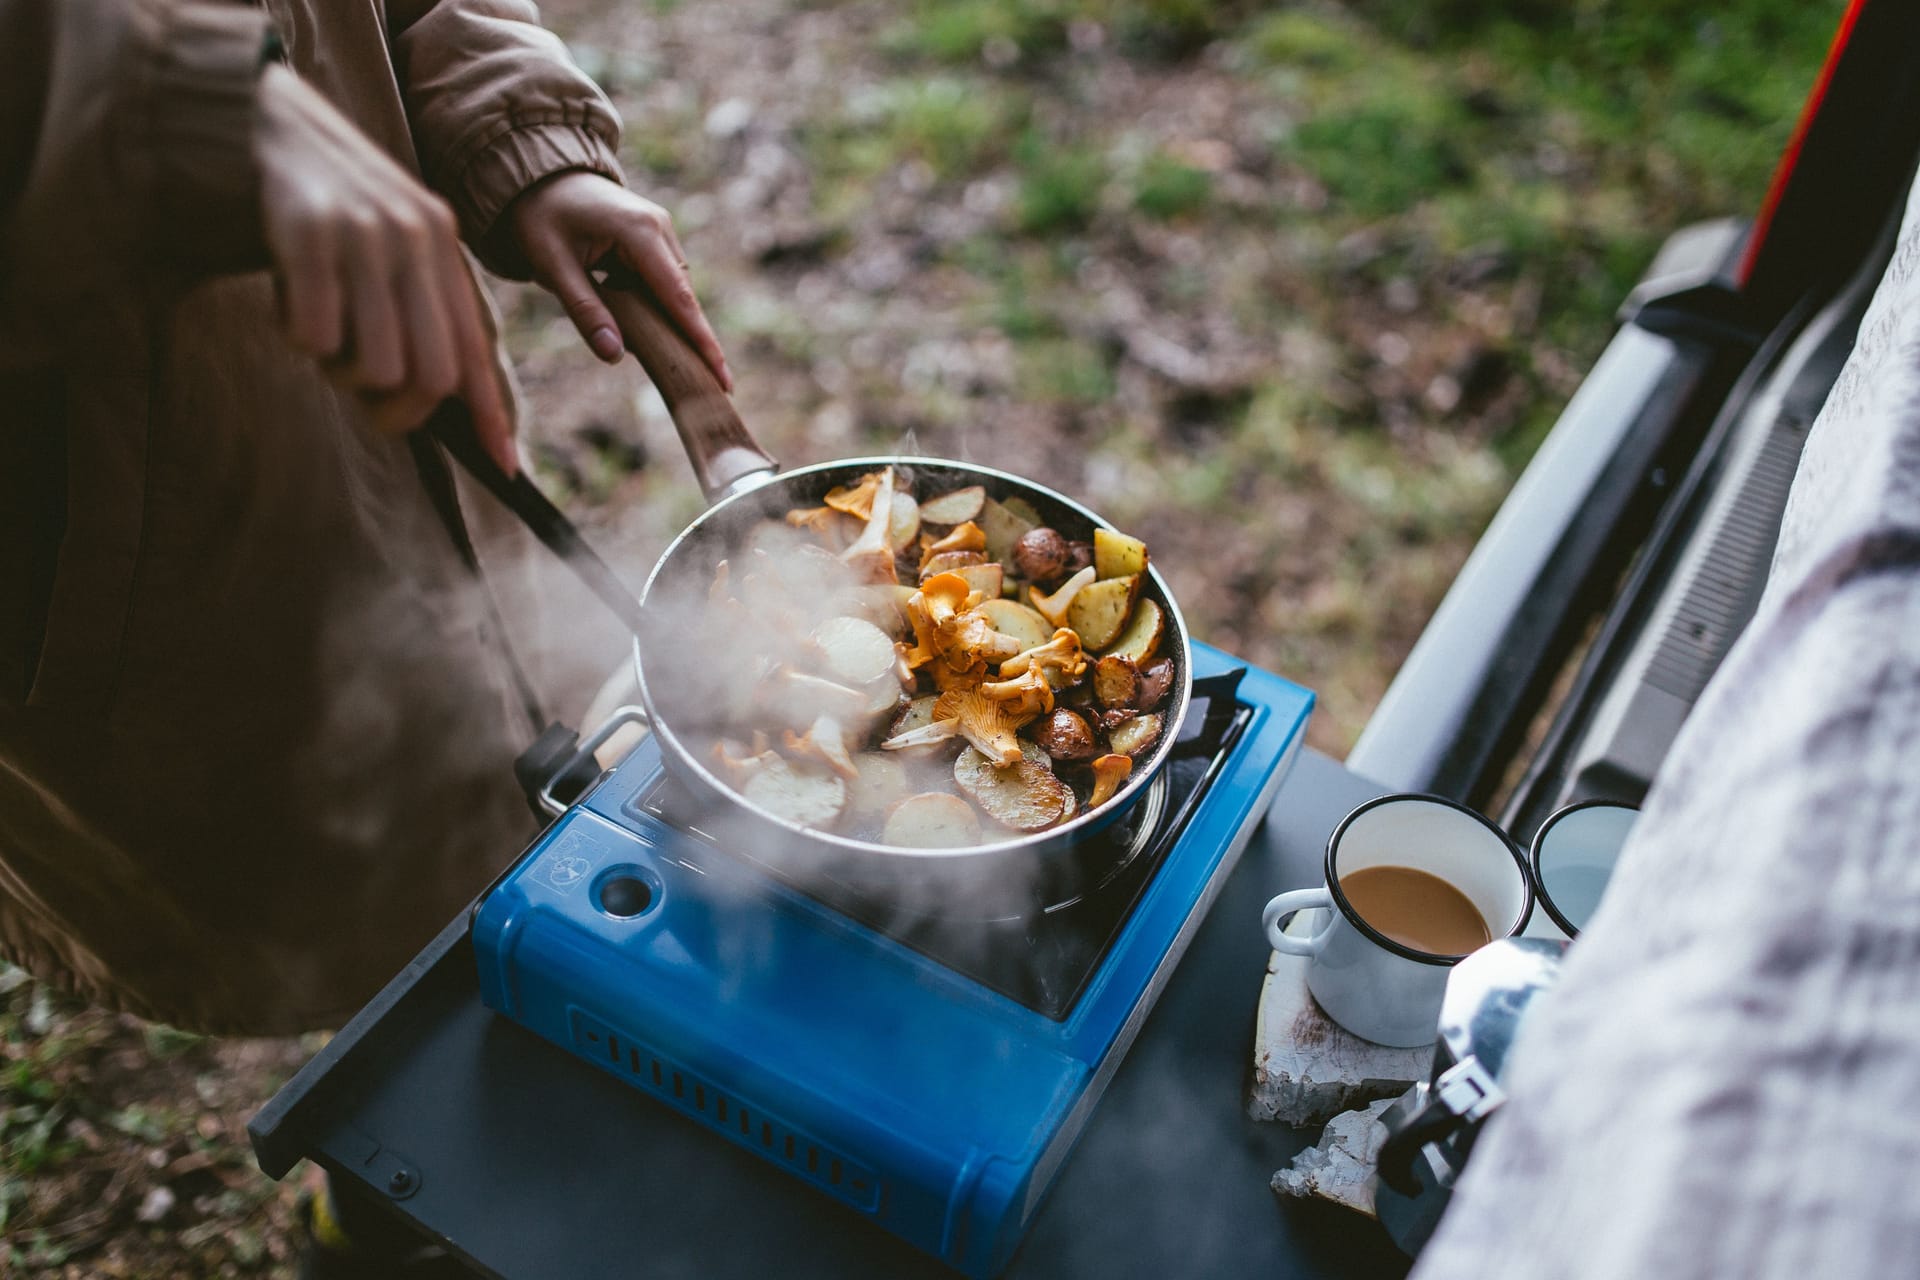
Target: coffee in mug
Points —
{"points": [[1416, 909], [1413, 883]]}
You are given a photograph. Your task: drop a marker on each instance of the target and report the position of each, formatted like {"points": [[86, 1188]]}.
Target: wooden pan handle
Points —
{"points": [[717, 442]]}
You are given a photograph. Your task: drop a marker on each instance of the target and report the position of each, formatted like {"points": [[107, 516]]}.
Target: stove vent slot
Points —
{"points": [[844, 1179]]}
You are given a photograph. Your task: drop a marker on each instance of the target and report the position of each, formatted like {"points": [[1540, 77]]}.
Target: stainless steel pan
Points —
{"points": [[744, 485]]}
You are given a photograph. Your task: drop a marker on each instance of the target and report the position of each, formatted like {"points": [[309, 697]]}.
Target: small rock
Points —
{"points": [[729, 119], [1339, 1168], [155, 1205]]}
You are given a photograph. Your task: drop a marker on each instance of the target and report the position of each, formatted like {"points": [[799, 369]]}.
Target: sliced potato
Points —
{"points": [[885, 605], [903, 521], [1011, 618], [949, 561], [932, 820], [857, 653], [984, 578], [1116, 682], [1003, 527], [955, 507], [1024, 510], [1141, 638], [1099, 612], [1024, 796], [776, 538], [1115, 555], [1135, 736], [881, 782], [808, 797], [917, 715]]}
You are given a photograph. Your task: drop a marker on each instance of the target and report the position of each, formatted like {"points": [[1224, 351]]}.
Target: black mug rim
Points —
{"points": [[1540, 893], [1527, 894]]}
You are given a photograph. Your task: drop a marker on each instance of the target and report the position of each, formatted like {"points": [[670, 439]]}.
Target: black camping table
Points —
{"points": [[530, 1164]]}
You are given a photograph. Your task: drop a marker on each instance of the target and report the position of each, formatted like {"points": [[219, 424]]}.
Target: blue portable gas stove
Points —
{"points": [[929, 1072]]}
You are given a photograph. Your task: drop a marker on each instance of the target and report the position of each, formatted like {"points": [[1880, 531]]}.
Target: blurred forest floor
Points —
{"points": [[1290, 291]]}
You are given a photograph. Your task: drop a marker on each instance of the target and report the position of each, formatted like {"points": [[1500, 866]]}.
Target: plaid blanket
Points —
{"points": [[1726, 1081]]}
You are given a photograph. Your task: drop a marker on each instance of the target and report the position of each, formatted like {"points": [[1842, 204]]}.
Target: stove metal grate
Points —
{"points": [[748, 1126]]}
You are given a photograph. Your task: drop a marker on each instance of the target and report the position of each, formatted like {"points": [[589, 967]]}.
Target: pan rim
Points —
{"points": [[1087, 822]]}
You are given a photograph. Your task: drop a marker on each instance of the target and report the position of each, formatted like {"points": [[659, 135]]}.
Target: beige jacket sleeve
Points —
{"points": [[496, 105], [125, 151]]}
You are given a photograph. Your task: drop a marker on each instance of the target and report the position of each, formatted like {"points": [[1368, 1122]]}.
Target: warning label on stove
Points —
{"points": [[567, 864]]}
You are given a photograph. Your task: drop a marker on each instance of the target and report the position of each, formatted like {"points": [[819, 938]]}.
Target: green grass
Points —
{"points": [[1060, 185], [1167, 189]]}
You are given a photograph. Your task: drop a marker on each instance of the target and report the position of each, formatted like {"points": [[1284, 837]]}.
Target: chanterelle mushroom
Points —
{"points": [[1029, 693], [736, 763], [1061, 657], [1054, 607], [991, 726], [824, 741], [1109, 771], [871, 554], [966, 536], [961, 634], [857, 499], [824, 523]]}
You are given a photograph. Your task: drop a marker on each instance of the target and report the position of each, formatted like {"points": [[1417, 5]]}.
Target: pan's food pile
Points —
{"points": [[919, 663]]}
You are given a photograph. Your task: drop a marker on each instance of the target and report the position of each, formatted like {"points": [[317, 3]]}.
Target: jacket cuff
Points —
{"points": [[507, 165], [196, 130]]}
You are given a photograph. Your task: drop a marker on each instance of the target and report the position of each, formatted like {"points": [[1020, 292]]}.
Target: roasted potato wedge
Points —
{"points": [[1141, 638], [1134, 737], [1099, 612], [903, 522], [1011, 618], [1116, 682], [1022, 510], [954, 508], [984, 578], [1024, 796], [1115, 555], [1003, 527], [950, 561], [932, 820]]}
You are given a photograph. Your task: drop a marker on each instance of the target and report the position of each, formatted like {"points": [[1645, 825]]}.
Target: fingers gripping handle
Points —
{"points": [[722, 450], [1274, 919]]}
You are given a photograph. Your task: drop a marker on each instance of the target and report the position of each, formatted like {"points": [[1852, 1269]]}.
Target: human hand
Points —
{"points": [[571, 222], [372, 278]]}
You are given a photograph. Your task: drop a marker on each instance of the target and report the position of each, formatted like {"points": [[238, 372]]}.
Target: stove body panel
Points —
{"points": [[884, 1078]]}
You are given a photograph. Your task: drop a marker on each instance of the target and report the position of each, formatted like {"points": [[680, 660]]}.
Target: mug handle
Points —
{"points": [[1287, 904]]}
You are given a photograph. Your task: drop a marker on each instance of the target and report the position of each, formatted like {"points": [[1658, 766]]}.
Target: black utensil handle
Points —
{"points": [[453, 427]]}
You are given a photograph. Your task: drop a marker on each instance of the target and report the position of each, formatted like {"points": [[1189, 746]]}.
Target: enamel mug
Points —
{"points": [[1377, 988]]}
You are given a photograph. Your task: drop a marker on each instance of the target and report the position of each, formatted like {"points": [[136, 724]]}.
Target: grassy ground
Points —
{"points": [[1291, 291]]}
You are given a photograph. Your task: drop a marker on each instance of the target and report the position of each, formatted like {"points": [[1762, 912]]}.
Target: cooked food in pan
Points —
{"points": [[934, 670]]}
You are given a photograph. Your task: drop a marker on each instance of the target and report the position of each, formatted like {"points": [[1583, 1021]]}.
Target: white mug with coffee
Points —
{"points": [[1413, 884]]}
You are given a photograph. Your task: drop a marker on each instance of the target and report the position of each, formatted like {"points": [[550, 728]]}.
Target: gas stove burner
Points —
{"points": [[930, 1071]]}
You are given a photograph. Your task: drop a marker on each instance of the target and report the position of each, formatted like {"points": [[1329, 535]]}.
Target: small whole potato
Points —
{"points": [[1155, 683], [1041, 555], [1079, 556], [1064, 735]]}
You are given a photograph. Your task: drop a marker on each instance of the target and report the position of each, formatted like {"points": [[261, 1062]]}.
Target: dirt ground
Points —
{"points": [[1291, 292]]}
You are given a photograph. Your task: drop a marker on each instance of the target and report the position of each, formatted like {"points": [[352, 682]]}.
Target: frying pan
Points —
{"points": [[744, 486]]}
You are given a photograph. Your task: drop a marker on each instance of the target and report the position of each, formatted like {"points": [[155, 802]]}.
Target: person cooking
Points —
{"points": [[257, 708]]}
